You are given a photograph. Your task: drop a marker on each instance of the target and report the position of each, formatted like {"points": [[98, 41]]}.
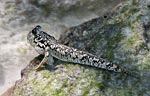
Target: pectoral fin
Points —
{"points": [[46, 55]]}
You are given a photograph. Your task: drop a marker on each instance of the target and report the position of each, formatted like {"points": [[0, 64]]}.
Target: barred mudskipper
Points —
{"points": [[48, 46]]}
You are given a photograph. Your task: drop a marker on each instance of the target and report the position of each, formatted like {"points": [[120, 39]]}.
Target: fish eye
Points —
{"points": [[37, 29]]}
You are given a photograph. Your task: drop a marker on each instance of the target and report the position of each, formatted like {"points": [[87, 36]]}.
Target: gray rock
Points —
{"points": [[121, 36], [18, 17]]}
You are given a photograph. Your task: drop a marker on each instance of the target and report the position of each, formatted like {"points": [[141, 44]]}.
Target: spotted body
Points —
{"points": [[48, 46]]}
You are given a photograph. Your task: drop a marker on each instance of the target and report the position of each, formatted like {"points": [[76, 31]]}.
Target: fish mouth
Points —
{"points": [[30, 38]]}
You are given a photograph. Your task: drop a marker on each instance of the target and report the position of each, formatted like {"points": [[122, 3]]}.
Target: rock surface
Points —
{"points": [[121, 36], [18, 17]]}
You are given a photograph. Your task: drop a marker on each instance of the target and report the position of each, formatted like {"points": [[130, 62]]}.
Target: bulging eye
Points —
{"points": [[37, 29]]}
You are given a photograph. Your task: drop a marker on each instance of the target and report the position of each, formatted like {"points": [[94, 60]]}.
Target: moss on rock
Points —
{"points": [[120, 38]]}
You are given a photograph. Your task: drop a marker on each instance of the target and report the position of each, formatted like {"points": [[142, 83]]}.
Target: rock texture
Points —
{"points": [[18, 17], [121, 36]]}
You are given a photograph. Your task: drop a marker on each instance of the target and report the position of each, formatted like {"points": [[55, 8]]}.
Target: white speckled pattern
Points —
{"points": [[41, 40]]}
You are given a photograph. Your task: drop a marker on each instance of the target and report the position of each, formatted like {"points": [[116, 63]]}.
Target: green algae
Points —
{"points": [[124, 46]]}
